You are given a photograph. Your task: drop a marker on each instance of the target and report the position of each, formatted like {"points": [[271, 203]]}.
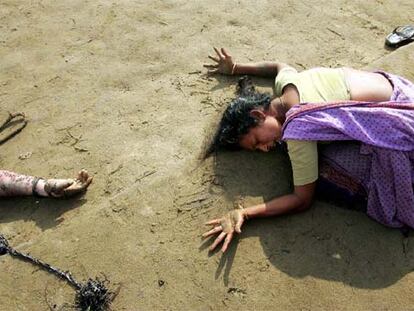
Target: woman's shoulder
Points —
{"points": [[285, 76], [304, 160]]}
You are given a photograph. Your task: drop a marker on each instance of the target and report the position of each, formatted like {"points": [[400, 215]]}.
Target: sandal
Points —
{"points": [[400, 36]]}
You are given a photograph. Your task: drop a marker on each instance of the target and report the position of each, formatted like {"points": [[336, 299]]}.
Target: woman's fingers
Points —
{"points": [[223, 62], [227, 241], [212, 231], [210, 66], [225, 53], [217, 60], [220, 55], [238, 225], [213, 71], [213, 222], [226, 225], [218, 241]]}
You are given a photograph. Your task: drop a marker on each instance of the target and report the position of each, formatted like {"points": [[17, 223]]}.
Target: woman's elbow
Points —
{"points": [[304, 206], [304, 195]]}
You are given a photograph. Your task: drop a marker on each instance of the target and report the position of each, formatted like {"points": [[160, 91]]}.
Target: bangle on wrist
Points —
{"points": [[233, 69], [246, 217], [240, 206], [34, 186]]}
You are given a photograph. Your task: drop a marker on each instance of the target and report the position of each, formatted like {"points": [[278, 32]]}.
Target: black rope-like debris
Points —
{"points": [[13, 117], [92, 296]]}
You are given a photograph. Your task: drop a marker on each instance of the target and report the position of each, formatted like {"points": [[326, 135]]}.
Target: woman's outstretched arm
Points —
{"points": [[225, 64], [261, 69], [298, 201]]}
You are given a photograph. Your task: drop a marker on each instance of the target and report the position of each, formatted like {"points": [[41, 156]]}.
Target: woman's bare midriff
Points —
{"points": [[367, 86]]}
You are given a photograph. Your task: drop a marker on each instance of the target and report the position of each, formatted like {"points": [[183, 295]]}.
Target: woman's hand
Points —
{"points": [[224, 63], [226, 225]]}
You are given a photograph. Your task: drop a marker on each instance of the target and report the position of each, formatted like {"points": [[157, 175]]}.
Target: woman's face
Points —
{"points": [[264, 136]]}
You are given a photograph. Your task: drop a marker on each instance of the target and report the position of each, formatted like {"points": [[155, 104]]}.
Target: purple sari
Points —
{"points": [[378, 164]]}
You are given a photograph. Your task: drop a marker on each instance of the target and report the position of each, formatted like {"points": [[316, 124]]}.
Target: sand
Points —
{"points": [[118, 88]]}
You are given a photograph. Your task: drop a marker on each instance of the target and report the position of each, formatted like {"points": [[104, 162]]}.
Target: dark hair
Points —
{"points": [[236, 120]]}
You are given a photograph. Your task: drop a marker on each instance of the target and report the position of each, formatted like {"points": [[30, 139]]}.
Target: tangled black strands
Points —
{"points": [[4, 245], [236, 120], [13, 118], [91, 296]]}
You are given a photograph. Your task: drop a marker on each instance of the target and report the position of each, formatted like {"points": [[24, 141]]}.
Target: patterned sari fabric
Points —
{"points": [[371, 156], [342, 172]]}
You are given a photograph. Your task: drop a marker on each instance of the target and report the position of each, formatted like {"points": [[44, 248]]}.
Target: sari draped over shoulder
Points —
{"points": [[375, 156]]}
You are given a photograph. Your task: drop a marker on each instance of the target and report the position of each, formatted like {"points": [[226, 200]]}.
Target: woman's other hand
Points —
{"points": [[224, 63], [226, 226]]}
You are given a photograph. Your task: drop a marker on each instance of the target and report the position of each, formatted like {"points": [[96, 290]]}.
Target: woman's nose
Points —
{"points": [[263, 148]]}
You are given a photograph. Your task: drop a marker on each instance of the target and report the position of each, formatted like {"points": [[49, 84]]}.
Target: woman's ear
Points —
{"points": [[258, 114]]}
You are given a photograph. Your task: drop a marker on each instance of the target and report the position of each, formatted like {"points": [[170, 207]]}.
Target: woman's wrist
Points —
{"points": [[233, 69], [245, 213], [254, 211]]}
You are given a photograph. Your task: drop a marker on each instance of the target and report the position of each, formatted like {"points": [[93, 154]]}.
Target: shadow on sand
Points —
{"points": [[327, 242], [46, 213]]}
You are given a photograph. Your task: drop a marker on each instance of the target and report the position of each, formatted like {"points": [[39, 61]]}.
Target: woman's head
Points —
{"points": [[248, 122]]}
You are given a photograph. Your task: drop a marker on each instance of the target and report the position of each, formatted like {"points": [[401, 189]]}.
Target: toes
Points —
{"points": [[56, 187], [80, 185], [85, 184], [86, 178], [71, 191], [88, 181], [83, 175]]}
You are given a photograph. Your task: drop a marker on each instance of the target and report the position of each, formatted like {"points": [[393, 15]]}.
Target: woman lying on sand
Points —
{"points": [[13, 184], [367, 118]]}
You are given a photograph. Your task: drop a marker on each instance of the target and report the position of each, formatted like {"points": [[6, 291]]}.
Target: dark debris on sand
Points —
{"points": [[91, 296]]}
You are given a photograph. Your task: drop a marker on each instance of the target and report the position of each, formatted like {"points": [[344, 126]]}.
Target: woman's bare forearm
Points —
{"points": [[282, 205], [261, 69], [298, 201]]}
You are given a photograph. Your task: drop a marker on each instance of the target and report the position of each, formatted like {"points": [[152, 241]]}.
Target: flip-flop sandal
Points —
{"points": [[400, 36]]}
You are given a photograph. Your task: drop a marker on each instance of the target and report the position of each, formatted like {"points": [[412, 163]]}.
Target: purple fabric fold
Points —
{"points": [[386, 133]]}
